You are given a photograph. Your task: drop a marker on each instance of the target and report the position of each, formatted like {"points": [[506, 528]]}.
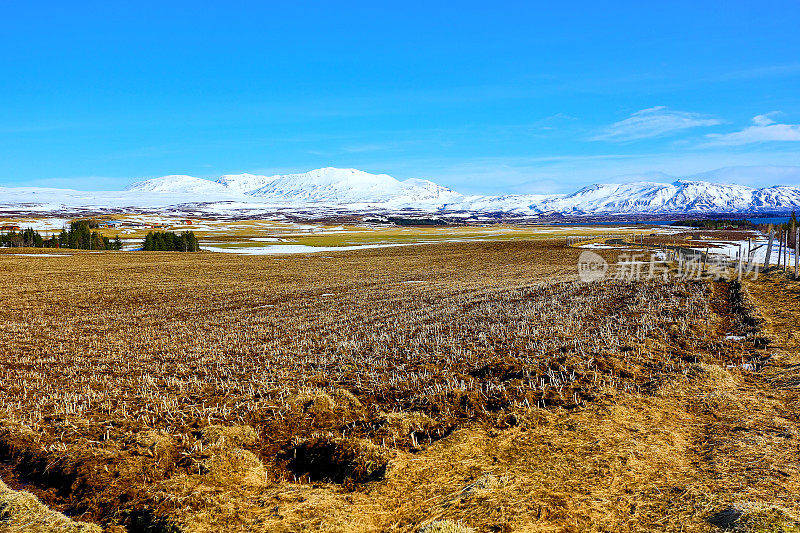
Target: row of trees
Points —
{"points": [[722, 223], [169, 241], [28, 238], [80, 236]]}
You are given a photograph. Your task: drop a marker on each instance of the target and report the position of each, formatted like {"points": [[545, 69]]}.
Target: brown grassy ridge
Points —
{"points": [[375, 391]]}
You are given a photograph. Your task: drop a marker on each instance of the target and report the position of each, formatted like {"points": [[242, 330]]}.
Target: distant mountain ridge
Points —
{"points": [[324, 185], [178, 184], [679, 197], [358, 191]]}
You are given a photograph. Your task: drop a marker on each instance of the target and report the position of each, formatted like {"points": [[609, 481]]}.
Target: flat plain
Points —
{"points": [[439, 387]]}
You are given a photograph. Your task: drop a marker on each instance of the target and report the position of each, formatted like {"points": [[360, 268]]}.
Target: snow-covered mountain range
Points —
{"points": [[333, 186], [357, 191]]}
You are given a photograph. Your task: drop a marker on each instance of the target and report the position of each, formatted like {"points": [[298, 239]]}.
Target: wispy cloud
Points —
{"points": [[764, 129], [653, 122]]}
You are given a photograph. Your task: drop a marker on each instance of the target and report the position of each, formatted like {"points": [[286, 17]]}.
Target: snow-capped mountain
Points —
{"points": [[681, 196], [178, 184], [244, 183], [351, 190], [333, 186], [779, 195], [348, 186]]}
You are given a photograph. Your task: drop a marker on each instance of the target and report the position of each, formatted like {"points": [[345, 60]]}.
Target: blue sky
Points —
{"points": [[482, 97]]}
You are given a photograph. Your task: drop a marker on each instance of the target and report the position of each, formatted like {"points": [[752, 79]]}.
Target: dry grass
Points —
{"points": [[465, 385], [22, 512]]}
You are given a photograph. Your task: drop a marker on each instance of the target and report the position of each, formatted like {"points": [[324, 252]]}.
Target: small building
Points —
{"points": [[8, 228], [109, 224], [187, 222]]}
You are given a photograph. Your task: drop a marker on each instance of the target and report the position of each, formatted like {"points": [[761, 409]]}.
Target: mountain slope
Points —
{"points": [[649, 198], [348, 186], [679, 197], [178, 184], [245, 183]]}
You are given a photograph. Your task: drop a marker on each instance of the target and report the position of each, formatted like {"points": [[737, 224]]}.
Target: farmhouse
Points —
{"points": [[110, 224]]}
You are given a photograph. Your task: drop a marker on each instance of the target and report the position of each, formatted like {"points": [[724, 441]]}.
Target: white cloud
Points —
{"points": [[653, 122], [765, 119], [764, 129]]}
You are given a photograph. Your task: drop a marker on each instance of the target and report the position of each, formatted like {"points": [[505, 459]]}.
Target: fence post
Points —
{"points": [[741, 258], [782, 250], [786, 252], [769, 248], [796, 249]]}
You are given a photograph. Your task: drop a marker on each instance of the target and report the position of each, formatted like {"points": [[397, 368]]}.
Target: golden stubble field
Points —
{"points": [[437, 388]]}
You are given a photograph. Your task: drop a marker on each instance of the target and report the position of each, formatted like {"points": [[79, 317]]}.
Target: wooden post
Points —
{"points": [[705, 260], [769, 248], [796, 249], [782, 250], [785, 243], [791, 234], [786, 251], [740, 263]]}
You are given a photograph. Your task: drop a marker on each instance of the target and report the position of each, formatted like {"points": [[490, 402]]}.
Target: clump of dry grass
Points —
{"points": [[157, 444], [233, 466], [313, 401], [407, 429], [22, 512], [218, 434]]}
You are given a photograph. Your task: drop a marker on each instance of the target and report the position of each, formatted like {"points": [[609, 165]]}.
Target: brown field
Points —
{"points": [[448, 387]]}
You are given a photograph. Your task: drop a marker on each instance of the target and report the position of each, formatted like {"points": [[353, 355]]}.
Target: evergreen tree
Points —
{"points": [[29, 238], [170, 241]]}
